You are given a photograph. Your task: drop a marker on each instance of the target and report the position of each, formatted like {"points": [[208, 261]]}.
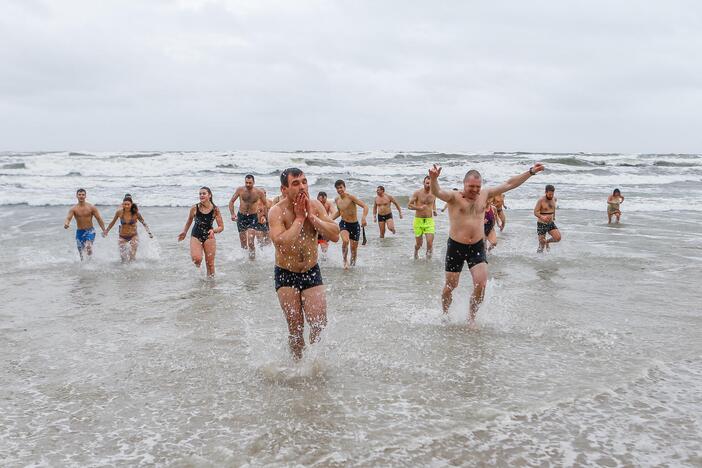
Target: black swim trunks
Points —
{"points": [[488, 226], [383, 218], [246, 221], [300, 281], [263, 227], [457, 253], [543, 228], [354, 229]]}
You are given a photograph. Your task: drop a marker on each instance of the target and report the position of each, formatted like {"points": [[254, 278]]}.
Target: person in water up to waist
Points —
{"points": [[84, 213], [423, 203], [466, 232], [296, 222], [613, 202]]}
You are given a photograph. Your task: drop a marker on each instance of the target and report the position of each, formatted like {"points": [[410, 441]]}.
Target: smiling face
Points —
{"points": [[80, 195], [204, 196], [296, 184], [471, 187], [340, 189], [126, 205]]}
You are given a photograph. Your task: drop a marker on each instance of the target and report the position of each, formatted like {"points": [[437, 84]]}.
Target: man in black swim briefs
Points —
{"points": [[347, 207], [250, 213], [295, 223], [382, 208], [545, 212], [466, 232]]}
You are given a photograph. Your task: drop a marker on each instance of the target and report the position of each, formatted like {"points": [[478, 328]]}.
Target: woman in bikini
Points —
{"points": [[128, 241], [202, 237], [613, 202]]}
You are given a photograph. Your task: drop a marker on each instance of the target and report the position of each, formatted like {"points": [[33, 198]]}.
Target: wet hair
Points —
{"points": [[550, 188], [291, 171], [250, 176], [339, 183], [81, 190], [472, 173], [616, 192], [425, 178], [210, 192], [134, 209], [322, 194], [381, 188]]}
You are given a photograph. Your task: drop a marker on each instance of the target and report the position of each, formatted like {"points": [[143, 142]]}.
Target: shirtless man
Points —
{"points": [[382, 211], [466, 232], [295, 223], [545, 212], [423, 202], [262, 227], [323, 243], [499, 204], [85, 232], [346, 207], [250, 213]]}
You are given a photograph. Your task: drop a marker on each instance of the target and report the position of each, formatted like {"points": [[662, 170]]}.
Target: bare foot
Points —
{"points": [[472, 325], [346, 265]]}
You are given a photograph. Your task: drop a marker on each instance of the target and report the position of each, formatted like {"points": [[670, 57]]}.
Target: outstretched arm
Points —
{"points": [[118, 213], [146, 226], [516, 181], [445, 195], [96, 213]]}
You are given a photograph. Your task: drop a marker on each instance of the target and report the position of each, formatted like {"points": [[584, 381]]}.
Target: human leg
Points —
{"points": [[391, 225], [196, 251], [210, 248], [430, 245], [314, 304], [291, 303], [447, 293], [479, 275]]}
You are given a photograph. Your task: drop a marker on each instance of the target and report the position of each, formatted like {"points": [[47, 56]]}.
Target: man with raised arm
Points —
{"points": [[346, 207], [295, 223], [423, 203], [465, 243], [84, 213], [250, 213], [382, 210]]}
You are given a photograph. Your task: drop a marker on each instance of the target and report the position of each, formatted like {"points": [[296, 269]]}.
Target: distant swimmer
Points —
{"points": [[423, 202], [382, 210], [613, 202], [489, 224], [296, 222], [499, 202], [128, 216], [466, 232], [327, 204], [84, 213], [249, 215], [202, 237], [545, 212], [346, 207]]}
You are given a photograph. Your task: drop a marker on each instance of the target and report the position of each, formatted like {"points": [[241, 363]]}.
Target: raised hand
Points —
{"points": [[300, 205], [435, 171], [538, 167]]}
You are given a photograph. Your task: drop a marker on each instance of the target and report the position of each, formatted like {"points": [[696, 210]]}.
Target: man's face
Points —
{"points": [[248, 183], [296, 185], [322, 199], [471, 187], [80, 196], [380, 191], [427, 184], [549, 195], [341, 189]]}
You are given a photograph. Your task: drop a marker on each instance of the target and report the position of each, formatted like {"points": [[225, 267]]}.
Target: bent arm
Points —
{"points": [[218, 219], [444, 195], [96, 213], [189, 221], [280, 236], [397, 205], [412, 205], [322, 222], [114, 220], [537, 210], [231, 203], [142, 221]]}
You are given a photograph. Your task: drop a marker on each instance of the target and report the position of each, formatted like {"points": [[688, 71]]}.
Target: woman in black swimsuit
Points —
{"points": [[128, 216], [202, 239]]}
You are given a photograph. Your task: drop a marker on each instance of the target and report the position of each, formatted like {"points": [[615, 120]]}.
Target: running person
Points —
{"points": [[613, 202], [382, 210], [499, 202], [346, 207], [262, 227], [324, 243], [249, 215], [128, 216], [84, 213], [423, 202], [489, 224], [202, 237], [466, 232], [296, 222], [545, 212]]}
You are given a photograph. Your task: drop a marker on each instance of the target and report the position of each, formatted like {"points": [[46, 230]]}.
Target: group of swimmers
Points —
{"points": [[299, 226]]}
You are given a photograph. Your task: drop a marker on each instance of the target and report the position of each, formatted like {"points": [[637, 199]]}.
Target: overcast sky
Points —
{"points": [[622, 76]]}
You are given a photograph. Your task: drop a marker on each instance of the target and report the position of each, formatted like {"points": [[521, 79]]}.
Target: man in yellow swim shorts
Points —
{"points": [[423, 202]]}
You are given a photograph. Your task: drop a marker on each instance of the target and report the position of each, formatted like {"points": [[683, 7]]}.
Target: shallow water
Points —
{"points": [[587, 355]]}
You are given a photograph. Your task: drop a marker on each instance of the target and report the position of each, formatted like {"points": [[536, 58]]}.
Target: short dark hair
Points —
{"points": [[339, 183], [322, 194], [293, 171], [550, 188], [616, 192], [81, 190], [425, 178], [381, 188], [250, 176], [472, 173]]}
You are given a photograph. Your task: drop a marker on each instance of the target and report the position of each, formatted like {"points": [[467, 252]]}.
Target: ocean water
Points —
{"points": [[588, 355]]}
